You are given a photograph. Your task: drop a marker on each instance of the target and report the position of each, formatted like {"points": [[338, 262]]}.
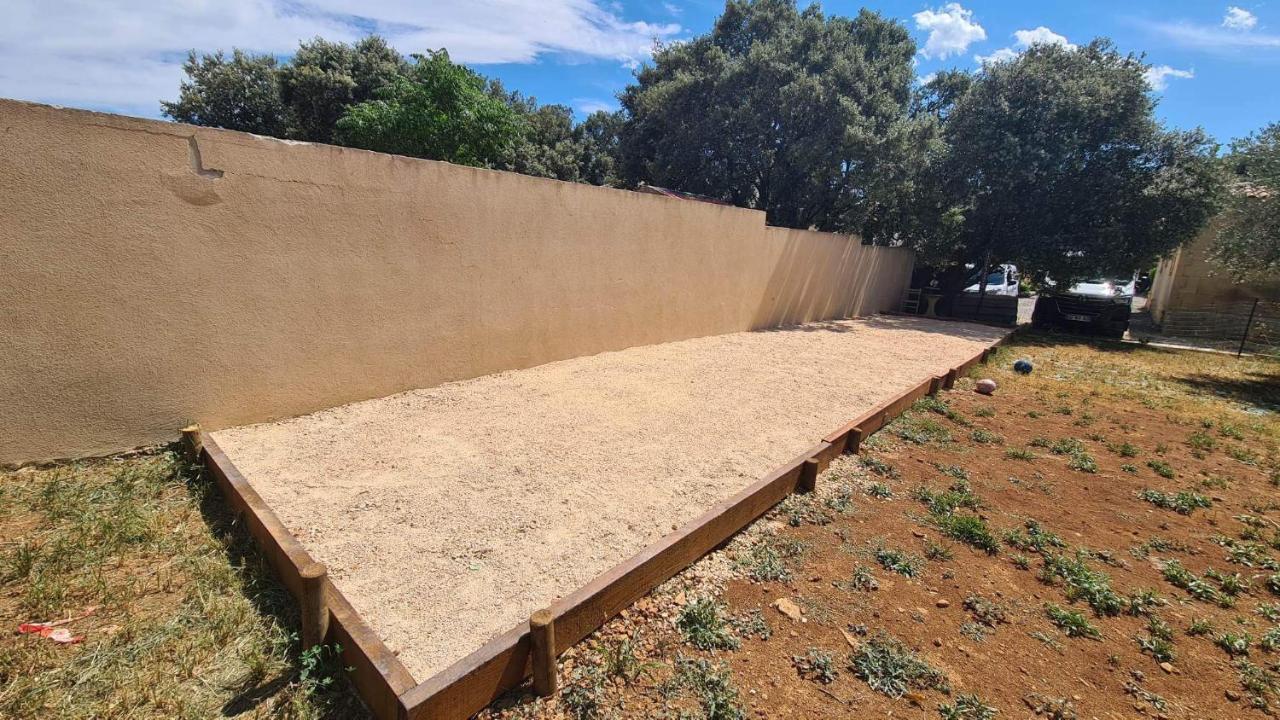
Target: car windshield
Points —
{"points": [[995, 278]]}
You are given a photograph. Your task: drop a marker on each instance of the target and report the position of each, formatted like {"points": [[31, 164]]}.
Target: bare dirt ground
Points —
{"points": [[1100, 539], [450, 514]]}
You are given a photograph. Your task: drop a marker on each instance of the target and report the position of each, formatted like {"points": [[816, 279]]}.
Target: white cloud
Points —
{"points": [[1001, 55], [1214, 38], [586, 106], [1040, 36], [673, 8], [951, 30], [1239, 19], [1023, 39], [126, 55], [1158, 76]]}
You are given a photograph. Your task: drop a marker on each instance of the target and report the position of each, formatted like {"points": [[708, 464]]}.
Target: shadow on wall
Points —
{"points": [[820, 276]]}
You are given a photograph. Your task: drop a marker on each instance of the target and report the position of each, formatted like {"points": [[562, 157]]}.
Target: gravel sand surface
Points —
{"points": [[449, 514]]}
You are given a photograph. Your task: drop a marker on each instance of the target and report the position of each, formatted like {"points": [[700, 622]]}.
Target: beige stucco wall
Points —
{"points": [[156, 274], [1189, 280]]}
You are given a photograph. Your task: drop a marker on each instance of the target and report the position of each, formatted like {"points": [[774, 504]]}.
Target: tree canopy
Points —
{"points": [[1248, 240], [1055, 162], [237, 93], [437, 110], [368, 95], [324, 78], [798, 114]]}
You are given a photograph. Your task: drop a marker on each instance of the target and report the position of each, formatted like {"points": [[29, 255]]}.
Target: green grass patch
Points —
{"points": [[898, 561], [1071, 622], [1184, 502], [704, 626], [890, 667]]}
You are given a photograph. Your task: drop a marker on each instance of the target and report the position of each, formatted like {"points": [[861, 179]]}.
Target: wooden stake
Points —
{"points": [[853, 441], [543, 634], [935, 385], [192, 442], [950, 380], [808, 476], [315, 612]]}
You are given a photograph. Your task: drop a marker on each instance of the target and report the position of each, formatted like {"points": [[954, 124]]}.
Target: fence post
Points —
{"points": [[1248, 324]]}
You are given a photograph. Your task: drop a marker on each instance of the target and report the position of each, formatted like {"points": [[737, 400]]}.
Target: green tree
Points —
{"points": [[600, 136], [1056, 162], [1248, 240], [437, 110], [789, 111], [940, 93], [547, 146], [239, 93], [323, 78]]}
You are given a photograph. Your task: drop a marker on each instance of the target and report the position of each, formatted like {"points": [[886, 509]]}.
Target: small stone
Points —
{"points": [[919, 534], [943, 603], [787, 607], [937, 642], [1167, 667], [853, 643], [1232, 695]]}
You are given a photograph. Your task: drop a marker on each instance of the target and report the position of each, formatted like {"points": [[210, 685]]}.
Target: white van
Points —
{"points": [[1002, 280]]}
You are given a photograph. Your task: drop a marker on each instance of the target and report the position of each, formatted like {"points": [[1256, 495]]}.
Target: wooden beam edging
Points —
{"points": [[467, 686], [849, 437], [877, 417], [470, 684], [378, 675]]}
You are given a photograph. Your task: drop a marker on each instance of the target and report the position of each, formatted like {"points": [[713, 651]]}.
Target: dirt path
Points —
{"points": [[447, 515]]}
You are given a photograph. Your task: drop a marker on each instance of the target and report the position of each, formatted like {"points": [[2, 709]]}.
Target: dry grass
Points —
{"points": [[186, 620]]}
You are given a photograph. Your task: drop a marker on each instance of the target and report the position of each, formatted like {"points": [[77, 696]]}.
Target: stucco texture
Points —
{"points": [[1189, 280], [157, 274]]}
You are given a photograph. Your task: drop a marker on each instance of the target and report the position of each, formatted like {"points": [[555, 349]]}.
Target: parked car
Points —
{"points": [[1100, 305], [1002, 280]]}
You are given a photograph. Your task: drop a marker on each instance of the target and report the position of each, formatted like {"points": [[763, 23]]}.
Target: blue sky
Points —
{"points": [[1218, 63]]}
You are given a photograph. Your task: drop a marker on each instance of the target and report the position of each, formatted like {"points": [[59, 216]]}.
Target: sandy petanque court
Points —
{"points": [[448, 515]]}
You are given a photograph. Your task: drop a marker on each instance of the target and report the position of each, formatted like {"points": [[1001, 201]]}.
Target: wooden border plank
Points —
{"points": [[585, 610], [378, 675], [467, 686], [283, 551]]}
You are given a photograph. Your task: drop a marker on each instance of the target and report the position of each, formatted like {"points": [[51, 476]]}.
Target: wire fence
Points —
{"points": [[1247, 326]]}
